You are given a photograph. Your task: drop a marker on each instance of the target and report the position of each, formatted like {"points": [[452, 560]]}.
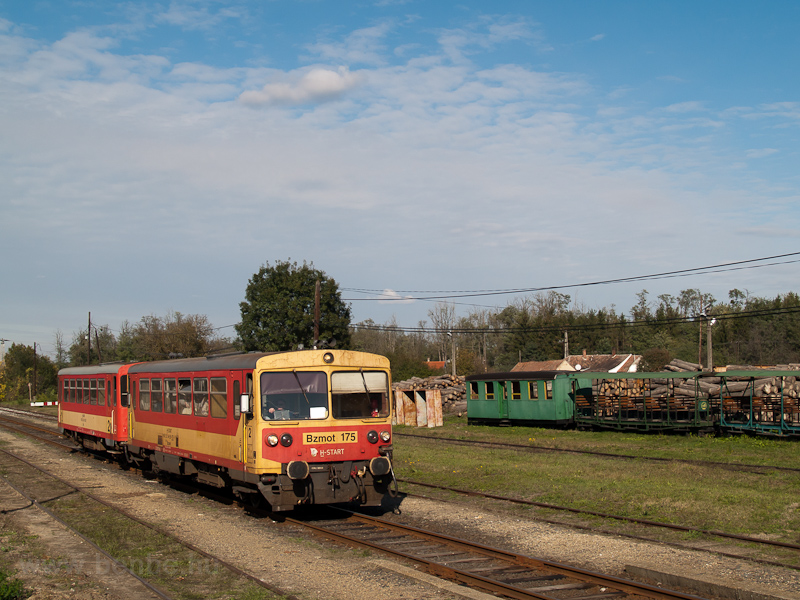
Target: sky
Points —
{"points": [[154, 155]]}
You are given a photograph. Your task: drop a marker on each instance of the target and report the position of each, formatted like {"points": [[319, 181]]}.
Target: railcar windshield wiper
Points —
{"points": [[364, 379], [296, 376]]}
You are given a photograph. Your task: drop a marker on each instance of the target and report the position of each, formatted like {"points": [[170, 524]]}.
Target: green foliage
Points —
{"points": [[654, 359], [151, 338], [278, 311], [21, 362], [747, 331], [405, 366], [12, 589]]}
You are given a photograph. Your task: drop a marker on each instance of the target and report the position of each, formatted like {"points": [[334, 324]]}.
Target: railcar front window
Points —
{"points": [[294, 396], [359, 394]]}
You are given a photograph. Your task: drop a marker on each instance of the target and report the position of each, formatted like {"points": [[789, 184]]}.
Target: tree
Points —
{"points": [[278, 311], [159, 338], [21, 362]]}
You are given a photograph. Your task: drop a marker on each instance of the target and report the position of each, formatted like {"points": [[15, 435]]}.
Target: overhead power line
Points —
{"points": [[447, 294], [768, 312]]}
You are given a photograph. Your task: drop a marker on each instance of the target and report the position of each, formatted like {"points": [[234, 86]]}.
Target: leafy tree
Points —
{"points": [[278, 311], [174, 335], [103, 347], [18, 372]]}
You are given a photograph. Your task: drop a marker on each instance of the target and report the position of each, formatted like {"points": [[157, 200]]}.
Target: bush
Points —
{"points": [[12, 589]]}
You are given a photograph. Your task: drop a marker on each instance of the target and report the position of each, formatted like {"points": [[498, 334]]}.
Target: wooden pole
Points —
{"points": [[316, 312]]}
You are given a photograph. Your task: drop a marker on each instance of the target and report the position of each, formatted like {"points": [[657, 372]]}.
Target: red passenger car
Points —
{"points": [[93, 406]]}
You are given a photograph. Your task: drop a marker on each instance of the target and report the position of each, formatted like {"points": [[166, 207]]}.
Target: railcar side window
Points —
{"points": [[219, 397], [86, 396], [93, 391], [101, 392], [156, 395], [144, 394], [548, 390], [184, 396], [170, 396], [516, 390], [359, 394], [72, 390], [200, 388], [292, 396], [473, 390], [533, 390], [490, 390]]}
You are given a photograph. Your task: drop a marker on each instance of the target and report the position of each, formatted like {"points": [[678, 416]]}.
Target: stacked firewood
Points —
{"points": [[452, 388]]}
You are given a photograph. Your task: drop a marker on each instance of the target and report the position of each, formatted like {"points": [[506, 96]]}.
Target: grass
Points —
{"points": [[11, 588], [182, 573], [707, 497]]}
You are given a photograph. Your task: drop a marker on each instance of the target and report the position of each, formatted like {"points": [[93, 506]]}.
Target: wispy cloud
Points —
{"points": [[761, 152], [391, 297], [314, 86]]}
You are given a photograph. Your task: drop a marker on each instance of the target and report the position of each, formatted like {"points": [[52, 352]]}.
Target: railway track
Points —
{"points": [[682, 528], [48, 435], [489, 569], [42, 488], [535, 448], [492, 570]]}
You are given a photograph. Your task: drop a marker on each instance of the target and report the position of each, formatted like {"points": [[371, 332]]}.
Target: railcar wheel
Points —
{"points": [[257, 501]]}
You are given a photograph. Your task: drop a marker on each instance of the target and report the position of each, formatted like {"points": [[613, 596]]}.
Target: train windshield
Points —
{"points": [[294, 396], [360, 394]]}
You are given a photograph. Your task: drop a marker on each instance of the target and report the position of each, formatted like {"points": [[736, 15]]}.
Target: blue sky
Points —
{"points": [[155, 154]]}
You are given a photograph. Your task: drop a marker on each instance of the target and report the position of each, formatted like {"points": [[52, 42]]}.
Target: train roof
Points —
{"points": [[101, 369], [518, 375], [222, 362]]}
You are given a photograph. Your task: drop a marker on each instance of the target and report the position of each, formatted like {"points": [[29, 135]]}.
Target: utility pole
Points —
{"points": [[316, 313], [34, 371], [89, 341], [97, 343], [710, 353]]}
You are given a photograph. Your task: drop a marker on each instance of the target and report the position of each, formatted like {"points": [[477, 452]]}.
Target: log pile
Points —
{"points": [[453, 389], [681, 366]]}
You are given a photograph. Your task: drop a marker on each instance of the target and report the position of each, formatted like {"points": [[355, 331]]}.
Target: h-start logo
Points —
{"points": [[314, 452]]}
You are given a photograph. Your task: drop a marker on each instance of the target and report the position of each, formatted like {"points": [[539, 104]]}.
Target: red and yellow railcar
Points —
{"points": [[305, 427], [93, 406]]}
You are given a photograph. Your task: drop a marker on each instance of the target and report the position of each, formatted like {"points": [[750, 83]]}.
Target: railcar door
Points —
{"points": [[249, 424], [236, 435], [500, 393]]}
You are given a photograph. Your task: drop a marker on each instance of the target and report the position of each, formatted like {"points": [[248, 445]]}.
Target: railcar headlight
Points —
{"points": [[385, 436], [272, 440], [286, 440], [372, 437]]}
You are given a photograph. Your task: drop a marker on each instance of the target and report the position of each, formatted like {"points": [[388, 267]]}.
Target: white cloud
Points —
{"points": [[187, 16], [761, 152], [421, 162], [314, 86], [391, 297], [684, 107], [363, 46]]}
